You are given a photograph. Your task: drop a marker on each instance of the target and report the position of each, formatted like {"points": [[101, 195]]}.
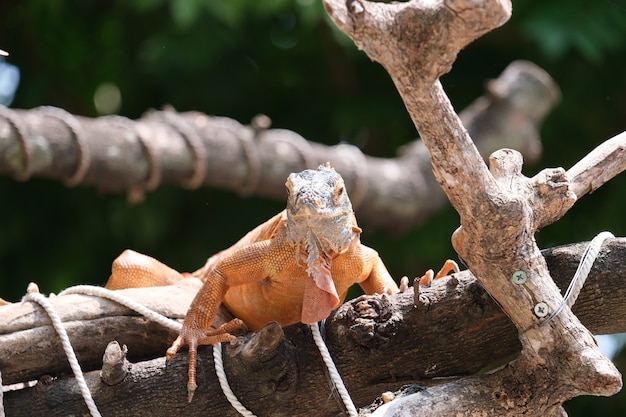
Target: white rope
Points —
{"points": [[580, 276], [38, 298], [221, 376], [332, 370], [125, 301]]}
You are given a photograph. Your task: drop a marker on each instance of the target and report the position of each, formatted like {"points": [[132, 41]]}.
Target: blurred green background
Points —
{"points": [[285, 59]]}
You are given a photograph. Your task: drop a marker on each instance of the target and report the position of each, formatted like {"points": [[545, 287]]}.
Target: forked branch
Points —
{"points": [[500, 211]]}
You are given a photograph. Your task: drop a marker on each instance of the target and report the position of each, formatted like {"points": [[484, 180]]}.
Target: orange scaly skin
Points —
{"points": [[296, 267]]}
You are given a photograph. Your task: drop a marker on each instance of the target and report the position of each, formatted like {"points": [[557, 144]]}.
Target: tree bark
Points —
{"points": [[456, 329], [192, 149]]}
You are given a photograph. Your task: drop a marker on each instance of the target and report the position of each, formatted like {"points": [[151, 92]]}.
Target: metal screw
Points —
{"points": [[541, 310], [519, 277]]}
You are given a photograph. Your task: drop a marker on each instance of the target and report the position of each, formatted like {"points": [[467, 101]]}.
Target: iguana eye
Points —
{"points": [[339, 194]]}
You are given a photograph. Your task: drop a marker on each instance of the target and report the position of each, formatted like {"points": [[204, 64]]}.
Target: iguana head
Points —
{"points": [[321, 224]]}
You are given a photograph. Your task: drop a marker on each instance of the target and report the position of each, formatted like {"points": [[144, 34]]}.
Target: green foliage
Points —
{"points": [[593, 29], [283, 58]]}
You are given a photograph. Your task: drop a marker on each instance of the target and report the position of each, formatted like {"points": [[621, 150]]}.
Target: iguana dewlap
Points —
{"points": [[296, 267]]}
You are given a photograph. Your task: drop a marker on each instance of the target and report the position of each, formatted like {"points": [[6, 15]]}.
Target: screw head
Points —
{"points": [[541, 310], [519, 277]]}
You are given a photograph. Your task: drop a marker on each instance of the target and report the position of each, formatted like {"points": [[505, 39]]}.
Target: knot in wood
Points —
{"points": [[372, 319], [262, 364], [45, 383], [114, 364], [505, 164], [259, 346]]}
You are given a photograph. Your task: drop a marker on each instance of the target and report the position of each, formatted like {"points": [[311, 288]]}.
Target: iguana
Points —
{"points": [[295, 267]]}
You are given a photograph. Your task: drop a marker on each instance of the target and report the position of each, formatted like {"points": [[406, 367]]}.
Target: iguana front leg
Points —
{"points": [[379, 281], [196, 330], [194, 337], [247, 264], [238, 265]]}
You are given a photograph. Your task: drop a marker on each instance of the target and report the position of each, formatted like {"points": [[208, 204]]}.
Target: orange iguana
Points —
{"points": [[295, 267]]}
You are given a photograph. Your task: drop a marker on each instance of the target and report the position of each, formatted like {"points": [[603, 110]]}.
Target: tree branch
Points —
{"points": [[500, 211], [456, 329], [604, 163], [192, 149]]}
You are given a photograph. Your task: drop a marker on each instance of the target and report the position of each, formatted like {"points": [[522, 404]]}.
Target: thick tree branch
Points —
{"points": [[500, 210], [456, 329], [192, 149]]}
